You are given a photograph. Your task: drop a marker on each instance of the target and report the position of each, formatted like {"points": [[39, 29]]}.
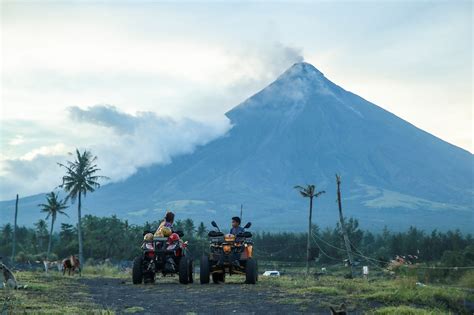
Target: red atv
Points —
{"points": [[168, 255]]}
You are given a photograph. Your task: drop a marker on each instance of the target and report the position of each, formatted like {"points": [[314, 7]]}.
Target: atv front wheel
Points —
{"points": [[204, 270], [184, 270], [137, 271], [251, 271]]}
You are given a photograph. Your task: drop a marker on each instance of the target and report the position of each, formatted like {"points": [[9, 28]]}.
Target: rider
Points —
{"points": [[166, 225], [235, 230]]}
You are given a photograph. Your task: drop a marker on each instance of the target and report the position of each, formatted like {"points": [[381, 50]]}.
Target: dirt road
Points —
{"points": [[170, 297]]}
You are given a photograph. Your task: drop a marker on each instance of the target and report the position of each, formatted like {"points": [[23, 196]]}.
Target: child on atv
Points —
{"points": [[166, 223]]}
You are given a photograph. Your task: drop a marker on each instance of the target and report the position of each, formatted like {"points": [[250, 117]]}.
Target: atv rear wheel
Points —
{"points": [[184, 270], [137, 271], [204, 270], [191, 271], [251, 271]]}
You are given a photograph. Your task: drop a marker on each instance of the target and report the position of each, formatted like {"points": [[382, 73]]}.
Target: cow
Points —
{"points": [[71, 264]]}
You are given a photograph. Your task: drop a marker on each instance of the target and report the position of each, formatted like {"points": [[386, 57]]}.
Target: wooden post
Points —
{"points": [[308, 243], [15, 229], [343, 227]]}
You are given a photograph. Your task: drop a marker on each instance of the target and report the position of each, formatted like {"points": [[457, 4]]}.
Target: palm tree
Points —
{"points": [[52, 207], [309, 192], [80, 178]]}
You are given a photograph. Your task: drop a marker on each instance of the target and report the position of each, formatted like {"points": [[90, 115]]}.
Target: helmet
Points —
{"points": [[173, 237], [148, 237], [166, 231]]}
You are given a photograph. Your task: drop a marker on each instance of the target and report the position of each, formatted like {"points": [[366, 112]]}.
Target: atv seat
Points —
{"points": [[244, 234], [215, 234]]}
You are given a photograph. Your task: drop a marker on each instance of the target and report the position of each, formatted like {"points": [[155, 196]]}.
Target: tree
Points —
{"points": [[81, 177], [201, 231], [189, 228], [41, 232], [309, 192], [52, 207]]}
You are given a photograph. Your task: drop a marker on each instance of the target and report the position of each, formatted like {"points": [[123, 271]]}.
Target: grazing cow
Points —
{"points": [[71, 264]]}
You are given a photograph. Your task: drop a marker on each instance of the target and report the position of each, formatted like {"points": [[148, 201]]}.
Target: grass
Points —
{"points": [[54, 294], [404, 310], [467, 280], [48, 294], [104, 271], [398, 296], [133, 309]]}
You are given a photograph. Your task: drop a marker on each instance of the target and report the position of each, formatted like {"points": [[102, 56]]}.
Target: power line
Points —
{"points": [[322, 251]]}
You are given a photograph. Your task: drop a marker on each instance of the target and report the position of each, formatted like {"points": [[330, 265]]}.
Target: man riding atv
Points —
{"points": [[229, 254], [236, 229]]}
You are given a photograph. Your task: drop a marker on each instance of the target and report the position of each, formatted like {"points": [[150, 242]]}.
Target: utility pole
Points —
{"points": [[15, 229], [343, 227], [241, 208]]}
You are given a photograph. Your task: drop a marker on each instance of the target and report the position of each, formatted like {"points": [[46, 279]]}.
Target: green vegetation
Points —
{"points": [[399, 296], [48, 294], [117, 240]]}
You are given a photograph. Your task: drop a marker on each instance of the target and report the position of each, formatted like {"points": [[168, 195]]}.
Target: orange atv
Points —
{"points": [[229, 254]]}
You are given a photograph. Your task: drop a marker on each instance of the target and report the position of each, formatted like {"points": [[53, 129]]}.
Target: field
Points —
{"points": [[107, 290]]}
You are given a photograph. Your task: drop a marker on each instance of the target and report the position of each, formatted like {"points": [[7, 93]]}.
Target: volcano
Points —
{"points": [[303, 129]]}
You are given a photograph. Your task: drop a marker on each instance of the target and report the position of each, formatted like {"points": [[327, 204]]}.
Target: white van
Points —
{"points": [[271, 273]]}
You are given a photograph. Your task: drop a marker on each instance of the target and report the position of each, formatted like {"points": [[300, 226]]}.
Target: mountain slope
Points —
{"points": [[301, 129]]}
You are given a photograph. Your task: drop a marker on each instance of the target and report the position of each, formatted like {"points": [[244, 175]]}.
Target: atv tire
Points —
{"points": [[218, 277], [251, 271], [184, 270], [137, 271], [191, 271], [204, 270]]}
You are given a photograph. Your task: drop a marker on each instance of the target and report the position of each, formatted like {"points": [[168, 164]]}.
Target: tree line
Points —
{"points": [[116, 239]]}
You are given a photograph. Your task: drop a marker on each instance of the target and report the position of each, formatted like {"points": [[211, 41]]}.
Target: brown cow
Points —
{"points": [[71, 264]]}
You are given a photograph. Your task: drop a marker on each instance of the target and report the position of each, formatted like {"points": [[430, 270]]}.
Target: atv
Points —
{"points": [[168, 255], [229, 254]]}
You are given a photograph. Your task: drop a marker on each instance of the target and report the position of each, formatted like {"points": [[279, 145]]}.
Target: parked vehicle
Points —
{"points": [[271, 273], [229, 254], [168, 255]]}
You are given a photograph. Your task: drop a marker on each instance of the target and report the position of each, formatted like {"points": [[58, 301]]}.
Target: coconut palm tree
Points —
{"points": [[81, 177], [309, 192], [52, 207]]}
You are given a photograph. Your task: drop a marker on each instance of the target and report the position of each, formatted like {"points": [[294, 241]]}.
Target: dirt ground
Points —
{"points": [[167, 295]]}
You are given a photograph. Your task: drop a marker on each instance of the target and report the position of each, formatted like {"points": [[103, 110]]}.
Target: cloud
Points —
{"points": [[53, 150], [123, 142], [19, 139]]}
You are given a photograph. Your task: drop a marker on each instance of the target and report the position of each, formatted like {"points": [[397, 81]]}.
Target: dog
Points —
{"points": [[341, 311], [8, 278]]}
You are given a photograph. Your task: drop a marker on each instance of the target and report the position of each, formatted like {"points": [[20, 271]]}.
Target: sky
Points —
{"points": [[139, 82]]}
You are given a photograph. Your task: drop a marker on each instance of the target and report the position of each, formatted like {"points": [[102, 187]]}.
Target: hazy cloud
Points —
{"points": [[123, 142]]}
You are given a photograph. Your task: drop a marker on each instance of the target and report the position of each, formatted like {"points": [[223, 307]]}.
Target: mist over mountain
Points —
{"points": [[300, 129]]}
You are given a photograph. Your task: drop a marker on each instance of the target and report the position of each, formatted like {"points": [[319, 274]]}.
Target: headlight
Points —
{"points": [[229, 238]]}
